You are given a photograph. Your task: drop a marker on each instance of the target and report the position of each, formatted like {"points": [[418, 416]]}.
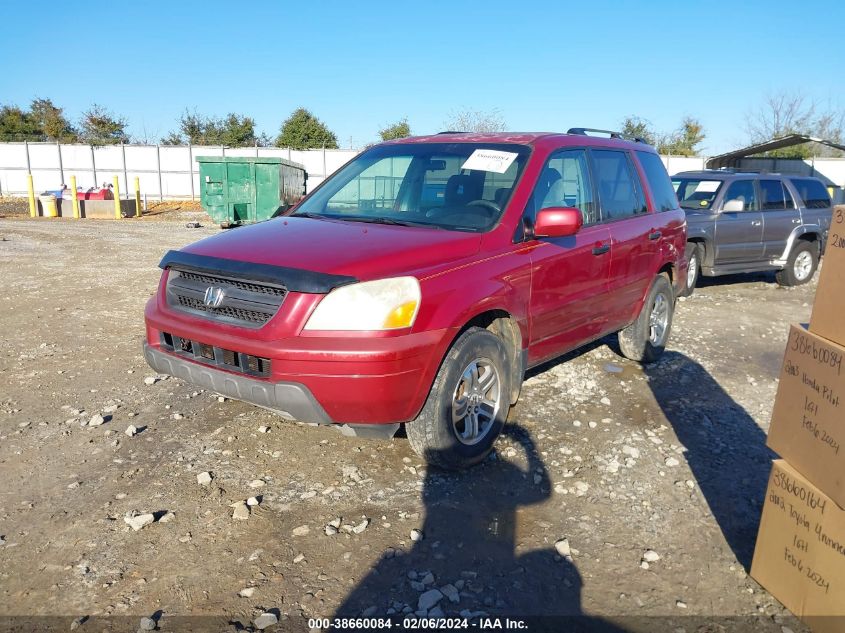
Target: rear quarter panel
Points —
{"points": [[673, 246]]}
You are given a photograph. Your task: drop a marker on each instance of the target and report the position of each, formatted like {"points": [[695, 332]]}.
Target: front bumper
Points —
{"points": [[290, 399], [343, 379]]}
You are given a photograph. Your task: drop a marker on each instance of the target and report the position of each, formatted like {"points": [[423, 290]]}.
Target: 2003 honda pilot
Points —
{"points": [[419, 282]]}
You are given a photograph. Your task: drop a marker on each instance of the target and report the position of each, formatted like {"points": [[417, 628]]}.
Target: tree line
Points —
{"points": [[44, 121], [780, 114]]}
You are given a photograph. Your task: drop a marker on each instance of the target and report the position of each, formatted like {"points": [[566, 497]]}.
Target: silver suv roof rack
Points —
{"points": [[583, 131]]}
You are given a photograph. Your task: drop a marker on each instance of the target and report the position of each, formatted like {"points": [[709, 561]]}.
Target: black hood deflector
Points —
{"points": [[294, 279]]}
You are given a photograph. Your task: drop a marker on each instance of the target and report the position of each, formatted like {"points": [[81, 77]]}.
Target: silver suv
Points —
{"points": [[746, 222]]}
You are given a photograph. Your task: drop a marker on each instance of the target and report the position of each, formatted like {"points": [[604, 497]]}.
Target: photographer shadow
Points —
{"points": [[468, 554], [725, 448]]}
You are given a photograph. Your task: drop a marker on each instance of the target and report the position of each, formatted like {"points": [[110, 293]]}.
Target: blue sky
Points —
{"points": [[361, 65]]}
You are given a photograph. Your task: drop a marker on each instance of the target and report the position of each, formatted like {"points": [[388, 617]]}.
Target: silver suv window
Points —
{"points": [[812, 192], [774, 196], [742, 191], [696, 193]]}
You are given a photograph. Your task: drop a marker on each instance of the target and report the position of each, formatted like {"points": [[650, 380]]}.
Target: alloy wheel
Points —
{"points": [[476, 401]]}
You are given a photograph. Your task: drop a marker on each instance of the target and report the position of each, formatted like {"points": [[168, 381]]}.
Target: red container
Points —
{"points": [[95, 194]]}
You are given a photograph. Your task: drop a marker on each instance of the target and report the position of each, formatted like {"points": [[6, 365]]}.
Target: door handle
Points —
{"points": [[756, 223], [796, 221], [655, 235], [601, 249]]}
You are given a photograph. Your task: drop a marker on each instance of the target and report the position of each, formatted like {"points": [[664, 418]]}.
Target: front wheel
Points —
{"points": [[645, 339], [468, 403], [801, 265]]}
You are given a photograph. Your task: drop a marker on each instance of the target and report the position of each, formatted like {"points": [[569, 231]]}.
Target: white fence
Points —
{"points": [[171, 172], [164, 171]]}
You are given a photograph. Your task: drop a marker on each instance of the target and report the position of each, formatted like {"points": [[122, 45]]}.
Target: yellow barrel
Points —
{"points": [[48, 206]]}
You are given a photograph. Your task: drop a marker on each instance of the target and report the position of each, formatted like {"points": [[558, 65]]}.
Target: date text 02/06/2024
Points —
{"points": [[415, 623]]}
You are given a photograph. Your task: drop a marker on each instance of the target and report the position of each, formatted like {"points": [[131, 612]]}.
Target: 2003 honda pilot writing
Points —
{"points": [[419, 282]]}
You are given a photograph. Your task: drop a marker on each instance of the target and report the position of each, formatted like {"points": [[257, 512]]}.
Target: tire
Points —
{"points": [[693, 257], [800, 266], [645, 339], [440, 434]]}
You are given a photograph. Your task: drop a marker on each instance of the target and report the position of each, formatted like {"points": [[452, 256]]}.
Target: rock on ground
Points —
{"points": [[147, 624], [138, 520], [265, 620], [429, 599], [240, 512]]}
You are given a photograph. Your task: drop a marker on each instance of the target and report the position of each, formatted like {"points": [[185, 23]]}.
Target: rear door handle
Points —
{"points": [[601, 249], [655, 235], [756, 223]]}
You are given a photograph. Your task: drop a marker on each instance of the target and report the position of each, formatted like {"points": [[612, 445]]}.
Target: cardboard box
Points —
{"points": [[829, 307], [800, 552], [808, 420]]}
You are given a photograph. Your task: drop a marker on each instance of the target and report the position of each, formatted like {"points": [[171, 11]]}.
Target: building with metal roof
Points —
{"points": [[731, 159]]}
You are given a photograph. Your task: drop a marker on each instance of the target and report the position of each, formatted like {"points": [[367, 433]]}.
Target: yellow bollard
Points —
{"points": [[74, 197], [137, 197], [116, 187], [33, 210]]}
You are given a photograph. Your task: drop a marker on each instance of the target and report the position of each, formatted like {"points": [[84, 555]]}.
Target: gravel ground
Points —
{"points": [[626, 495]]}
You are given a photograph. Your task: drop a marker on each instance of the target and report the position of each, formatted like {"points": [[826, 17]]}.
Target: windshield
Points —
{"points": [[454, 186], [696, 193]]}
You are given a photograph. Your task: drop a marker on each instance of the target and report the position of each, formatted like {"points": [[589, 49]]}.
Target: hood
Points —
{"points": [[360, 250], [697, 214]]}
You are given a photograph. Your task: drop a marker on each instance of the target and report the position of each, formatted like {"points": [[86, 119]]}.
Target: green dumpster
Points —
{"points": [[238, 190]]}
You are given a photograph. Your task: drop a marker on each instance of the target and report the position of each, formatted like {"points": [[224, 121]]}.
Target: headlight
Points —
{"points": [[385, 304]]}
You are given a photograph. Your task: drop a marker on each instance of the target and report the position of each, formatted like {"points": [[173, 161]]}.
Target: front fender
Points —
{"points": [[453, 298]]}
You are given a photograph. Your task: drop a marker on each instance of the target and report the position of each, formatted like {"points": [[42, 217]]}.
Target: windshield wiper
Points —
{"points": [[313, 216], [390, 221]]}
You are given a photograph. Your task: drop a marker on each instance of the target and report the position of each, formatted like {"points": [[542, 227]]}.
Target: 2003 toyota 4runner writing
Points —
{"points": [[745, 222], [420, 281]]}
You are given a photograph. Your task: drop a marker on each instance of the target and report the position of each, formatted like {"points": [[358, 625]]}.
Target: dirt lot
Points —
{"points": [[618, 459]]}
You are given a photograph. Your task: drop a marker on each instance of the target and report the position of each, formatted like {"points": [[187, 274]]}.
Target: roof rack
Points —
{"points": [[583, 132], [453, 132]]}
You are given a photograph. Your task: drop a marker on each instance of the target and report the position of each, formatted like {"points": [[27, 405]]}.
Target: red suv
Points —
{"points": [[419, 282]]}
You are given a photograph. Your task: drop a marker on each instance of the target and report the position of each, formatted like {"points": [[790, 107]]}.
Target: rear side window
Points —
{"points": [[771, 195], [658, 181], [743, 191], [619, 194], [812, 192]]}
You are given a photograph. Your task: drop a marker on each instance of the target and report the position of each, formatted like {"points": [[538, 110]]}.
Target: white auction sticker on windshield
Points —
{"points": [[708, 186], [490, 160]]}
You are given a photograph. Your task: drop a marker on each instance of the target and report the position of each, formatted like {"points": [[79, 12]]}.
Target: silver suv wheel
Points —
{"points": [[476, 401], [692, 270], [803, 266], [658, 320]]}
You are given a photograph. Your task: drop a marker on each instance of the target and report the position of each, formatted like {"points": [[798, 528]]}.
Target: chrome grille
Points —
{"points": [[208, 280], [241, 302]]}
